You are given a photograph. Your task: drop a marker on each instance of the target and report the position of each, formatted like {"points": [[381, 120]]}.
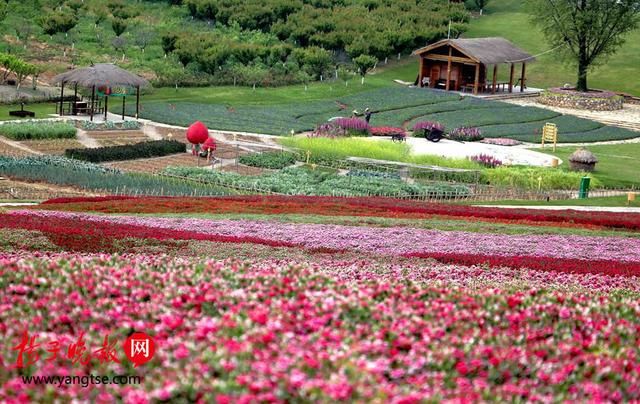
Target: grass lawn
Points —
{"points": [[406, 69], [42, 110], [618, 166], [613, 201], [507, 18]]}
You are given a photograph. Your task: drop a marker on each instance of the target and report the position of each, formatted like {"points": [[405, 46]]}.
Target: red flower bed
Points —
{"points": [[386, 131], [331, 206], [550, 264], [94, 236]]}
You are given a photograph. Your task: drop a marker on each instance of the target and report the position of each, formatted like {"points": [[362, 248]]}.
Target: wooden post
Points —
{"points": [[123, 101], [511, 77], [106, 105], [495, 78], [75, 98], [137, 101], [522, 77], [421, 72], [62, 99], [476, 82], [448, 69], [93, 96]]}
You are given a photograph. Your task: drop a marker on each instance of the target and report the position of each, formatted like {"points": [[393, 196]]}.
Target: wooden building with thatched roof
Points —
{"points": [[462, 65]]}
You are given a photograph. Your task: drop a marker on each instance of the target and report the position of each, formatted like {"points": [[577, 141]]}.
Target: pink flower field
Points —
{"points": [[260, 310]]}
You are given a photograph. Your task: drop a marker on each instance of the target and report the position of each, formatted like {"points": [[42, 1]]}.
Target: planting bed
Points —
{"points": [[56, 146], [118, 138], [325, 300], [395, 106], [10, 151]]}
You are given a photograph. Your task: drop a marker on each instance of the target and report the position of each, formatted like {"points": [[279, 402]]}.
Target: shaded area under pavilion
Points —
{"points": [[103, 80], [462, 65]]}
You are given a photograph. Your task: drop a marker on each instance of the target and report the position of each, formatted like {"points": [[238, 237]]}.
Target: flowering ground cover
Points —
{"points": [[268, 332], [319, 299], [563, 253], [378, 207]]}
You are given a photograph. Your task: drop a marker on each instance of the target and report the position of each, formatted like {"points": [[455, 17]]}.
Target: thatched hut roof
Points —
{"points": [[583, 156], [488, 51], [102, 74]]}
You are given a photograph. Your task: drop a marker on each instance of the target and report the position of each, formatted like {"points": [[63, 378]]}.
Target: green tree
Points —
{"points": [[315, 60], [586, 31], [168, 72], [98, 14], [364, 63], [3, 10], [344, 74], [480, 4], [253, 74], [118, 25], [57, 21], [168, 41]]}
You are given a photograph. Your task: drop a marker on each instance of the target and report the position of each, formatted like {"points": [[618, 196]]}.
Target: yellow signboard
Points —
{"points": [[550, 134]]}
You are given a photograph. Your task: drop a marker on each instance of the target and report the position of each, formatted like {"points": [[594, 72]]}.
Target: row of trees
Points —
{"points": [[374, 27], [227, 62], [18, 67]]}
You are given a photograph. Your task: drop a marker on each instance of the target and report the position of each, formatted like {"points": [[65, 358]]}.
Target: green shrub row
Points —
{"points": [[271, 160], [63, 171], [153, 148], [34, 130], [303, 181]]}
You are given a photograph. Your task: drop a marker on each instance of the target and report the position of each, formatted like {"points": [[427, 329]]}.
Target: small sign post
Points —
{"points": [[550, 134]]}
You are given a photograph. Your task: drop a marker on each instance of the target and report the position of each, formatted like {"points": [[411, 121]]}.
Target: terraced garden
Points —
{"points": [[393, 106]]}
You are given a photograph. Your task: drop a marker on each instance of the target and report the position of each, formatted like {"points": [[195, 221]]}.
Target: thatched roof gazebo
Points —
{"points": [[104, 77]]}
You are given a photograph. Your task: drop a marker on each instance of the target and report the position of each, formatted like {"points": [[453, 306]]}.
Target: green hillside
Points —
{"points": [[507, 18]]}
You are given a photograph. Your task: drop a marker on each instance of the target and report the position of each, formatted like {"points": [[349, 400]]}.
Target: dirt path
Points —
{"points": [[86, 140], [17, 145]]}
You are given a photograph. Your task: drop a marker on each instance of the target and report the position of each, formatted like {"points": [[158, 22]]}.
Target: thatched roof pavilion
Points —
{"points": [[101, 76], [461, 64]]}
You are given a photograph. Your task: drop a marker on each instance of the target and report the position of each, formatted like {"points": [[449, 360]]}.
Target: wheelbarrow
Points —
{"points": [[434, 135]]}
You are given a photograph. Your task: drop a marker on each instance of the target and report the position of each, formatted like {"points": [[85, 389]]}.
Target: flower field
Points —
{"points": [[297, 299]]}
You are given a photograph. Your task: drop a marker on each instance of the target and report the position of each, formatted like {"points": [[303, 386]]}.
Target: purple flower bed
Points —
{"points": [[392, 240], [487, 160], [466, 134], [353, 126]]}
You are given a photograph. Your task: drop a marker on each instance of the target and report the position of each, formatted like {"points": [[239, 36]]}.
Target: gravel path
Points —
{"points": [[628, 117], [450, 148]]}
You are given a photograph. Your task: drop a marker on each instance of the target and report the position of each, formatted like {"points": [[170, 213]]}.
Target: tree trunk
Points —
{"points": [[583, 61], [582, 78], [583, 65]]}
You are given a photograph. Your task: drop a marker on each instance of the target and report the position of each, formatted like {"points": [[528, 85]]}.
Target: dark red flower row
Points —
{"points": [[550, 264], [331, 206]]}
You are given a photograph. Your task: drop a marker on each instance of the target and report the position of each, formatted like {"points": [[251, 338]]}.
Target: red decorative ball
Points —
{"points": [[209, 145], [197, 133]]}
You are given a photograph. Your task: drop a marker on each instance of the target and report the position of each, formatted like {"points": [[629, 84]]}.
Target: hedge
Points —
{"points": [[271, 160], [154, 148]]}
